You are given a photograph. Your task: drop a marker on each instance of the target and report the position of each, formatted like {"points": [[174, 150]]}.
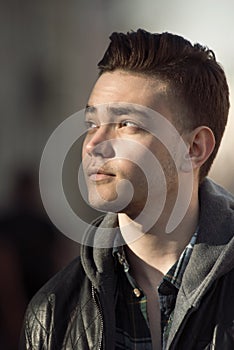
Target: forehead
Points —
{"points": [[120, 86]]}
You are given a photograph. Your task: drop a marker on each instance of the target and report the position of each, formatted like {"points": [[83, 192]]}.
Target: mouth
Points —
{"points": [[99, 174]]}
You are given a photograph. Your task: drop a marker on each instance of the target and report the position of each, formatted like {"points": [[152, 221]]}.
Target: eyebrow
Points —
{"points": [[90, 109], [120, 110]]}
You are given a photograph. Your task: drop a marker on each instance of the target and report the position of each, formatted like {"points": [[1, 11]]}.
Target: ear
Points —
{"points": [[201, 144]]}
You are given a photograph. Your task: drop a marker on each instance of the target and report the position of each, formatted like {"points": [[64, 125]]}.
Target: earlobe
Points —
{"points": [[202, 143]]}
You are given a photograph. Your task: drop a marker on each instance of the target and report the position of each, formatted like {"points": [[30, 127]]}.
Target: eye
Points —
{"points": [[129, 123], [90, 125]]}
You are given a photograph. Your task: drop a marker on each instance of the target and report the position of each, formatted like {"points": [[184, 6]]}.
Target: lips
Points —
{"points": [[98, 174]]}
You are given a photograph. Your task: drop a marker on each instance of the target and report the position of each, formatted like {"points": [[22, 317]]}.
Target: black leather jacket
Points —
{"points": [[76, 309]]}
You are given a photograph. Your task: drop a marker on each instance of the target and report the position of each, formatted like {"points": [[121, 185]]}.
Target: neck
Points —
{"points": [[153, 253]]}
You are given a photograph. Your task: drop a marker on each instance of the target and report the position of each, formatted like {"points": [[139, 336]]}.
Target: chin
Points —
{"points": [[102, 204], [114, 205], [106, 208]]}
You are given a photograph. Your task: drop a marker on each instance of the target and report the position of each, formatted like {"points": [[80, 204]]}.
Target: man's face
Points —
{"points": [[123, 161]]}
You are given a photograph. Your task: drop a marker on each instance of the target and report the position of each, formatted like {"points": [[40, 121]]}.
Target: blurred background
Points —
{"points": [[49, 53]]}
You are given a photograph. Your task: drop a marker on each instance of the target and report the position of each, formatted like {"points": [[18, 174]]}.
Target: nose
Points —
{"points": [[100, 142]]}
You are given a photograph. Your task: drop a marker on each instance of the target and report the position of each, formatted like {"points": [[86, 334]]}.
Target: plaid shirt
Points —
{"points": [[132, 326]]}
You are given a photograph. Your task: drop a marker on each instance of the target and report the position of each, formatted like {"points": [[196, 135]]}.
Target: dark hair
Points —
{"points": [[196, 83]]}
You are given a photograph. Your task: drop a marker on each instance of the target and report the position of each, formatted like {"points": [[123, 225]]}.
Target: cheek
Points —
{"points": [[124, 167], [84, 147], [84, 154], [132, 171]]}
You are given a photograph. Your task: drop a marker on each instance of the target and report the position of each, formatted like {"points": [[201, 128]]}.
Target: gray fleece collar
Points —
{"points": [[213, 254]]}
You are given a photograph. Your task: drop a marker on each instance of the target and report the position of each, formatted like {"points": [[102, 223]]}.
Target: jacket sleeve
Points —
{"points": [[25, 342], [37, 331]]}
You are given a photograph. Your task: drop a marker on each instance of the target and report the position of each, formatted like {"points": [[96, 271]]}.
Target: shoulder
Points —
{"points": [[216, 213], [211, 191], [56, 300], [60, 286]]}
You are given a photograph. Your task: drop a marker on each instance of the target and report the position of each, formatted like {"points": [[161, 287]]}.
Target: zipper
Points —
{"points": [[98, 305]]}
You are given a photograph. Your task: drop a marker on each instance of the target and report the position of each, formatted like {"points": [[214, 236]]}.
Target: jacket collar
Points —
{"points": [[215, 243], [96, 252], [213, 254]]}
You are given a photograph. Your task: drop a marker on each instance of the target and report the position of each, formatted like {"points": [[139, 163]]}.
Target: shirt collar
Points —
{"points": [[175, 273]]}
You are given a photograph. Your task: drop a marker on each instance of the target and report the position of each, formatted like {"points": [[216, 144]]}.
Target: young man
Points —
{"points": [[165, 279]]}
